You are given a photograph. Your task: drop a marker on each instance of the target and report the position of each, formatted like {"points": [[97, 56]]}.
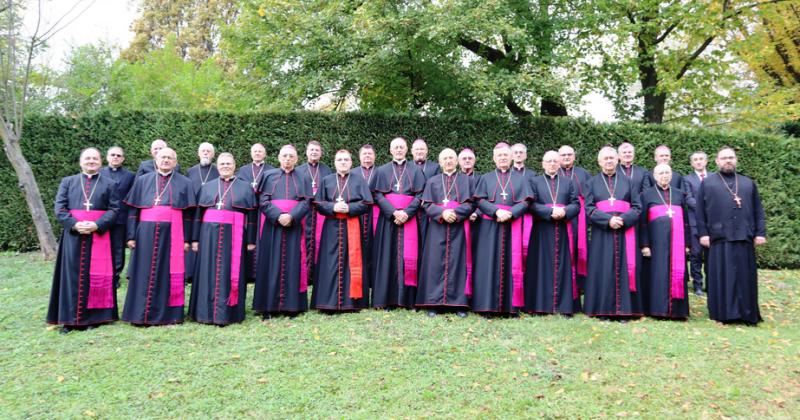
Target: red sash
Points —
{"points": [[286, 206], [354, 261], [236, 220], [166, 214], [621, 206], [410, 239], [101, 267], [517, 263], [575, 292], [582, 247], [678, 254], [468, 237]]}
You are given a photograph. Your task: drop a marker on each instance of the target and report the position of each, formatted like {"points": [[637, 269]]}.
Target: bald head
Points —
{"points": [[90, 160], [551, 162], [567, 155], [166, 159], [448, 160], [157, 145], [398, 148]]}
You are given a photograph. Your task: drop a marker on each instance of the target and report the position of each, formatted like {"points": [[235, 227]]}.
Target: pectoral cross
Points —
{"points": [[611, 200], [220, 203], [339, 199], [738, 201], [397, 186], [314, 184], [670, 212], [88, 205], [156, 201], [504, 195], [445, 201], [254, 184]]}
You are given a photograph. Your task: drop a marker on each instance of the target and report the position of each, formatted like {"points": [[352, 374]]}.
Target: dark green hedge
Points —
{"points": [[52, 145]]}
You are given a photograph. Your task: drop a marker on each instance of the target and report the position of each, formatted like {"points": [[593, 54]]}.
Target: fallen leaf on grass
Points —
{"points": [[89, 413], [262, 380], [60, 379]]}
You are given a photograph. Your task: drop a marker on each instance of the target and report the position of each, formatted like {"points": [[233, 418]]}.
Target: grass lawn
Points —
{"points": [[398, 364]]}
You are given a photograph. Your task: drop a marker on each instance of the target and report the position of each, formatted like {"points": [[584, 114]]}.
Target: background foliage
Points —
{"points": [[53, 143]]}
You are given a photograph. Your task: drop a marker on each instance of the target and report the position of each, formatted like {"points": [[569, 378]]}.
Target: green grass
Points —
{"points": [[398, 364]]}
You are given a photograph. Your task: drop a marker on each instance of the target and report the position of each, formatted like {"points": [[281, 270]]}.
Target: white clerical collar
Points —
{"points": [[165, 173], [451, 173], [89, 176], [114, 169], [552, 176], [519, 168], [313, 164], [420, 162], [258, 163], [367, 167], [399, 162], [503, 170]]}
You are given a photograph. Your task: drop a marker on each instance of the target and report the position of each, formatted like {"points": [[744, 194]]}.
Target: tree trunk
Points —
{"points": [[553, 108], [27, 182]]}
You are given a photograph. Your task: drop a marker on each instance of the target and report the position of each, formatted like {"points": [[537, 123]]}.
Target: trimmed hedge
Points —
{"points": [[52, 144]]}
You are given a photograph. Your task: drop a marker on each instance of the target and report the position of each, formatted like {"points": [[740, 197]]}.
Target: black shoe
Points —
{"points": [[432, 313], [699, 292], [64, 330], [461, 314], [266, 317]]}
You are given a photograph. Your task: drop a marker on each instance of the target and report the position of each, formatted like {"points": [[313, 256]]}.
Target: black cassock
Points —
{"points": [[445, 264], [282, 276], [199, 176], [155, 296], [218, 296], [428, 169], [732, 273], [580, 224], [334, 289], [550, 276], [612, 283], [367, 222], [148, 166], [313, 175], [252, 173], [395, 277], [72, 284], [638, 176], [124, 179], [496, 256], [667, 237]]}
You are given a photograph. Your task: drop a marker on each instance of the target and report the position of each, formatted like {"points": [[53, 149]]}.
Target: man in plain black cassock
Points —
{"points": [[312, 172], [366, 170], [638, 176], [161, 207], [200, 175], [419, 153], [613, 208], [124, 179], [580, 225], [252, 174], [223, 232], [498, 273], [396, 188], [282, 273], [340, 282], [550, 276], [86, 205], [730, 221], [445, 276], [149, 165]]}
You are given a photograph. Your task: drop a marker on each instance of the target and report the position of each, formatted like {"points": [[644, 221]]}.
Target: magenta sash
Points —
{"points": [[286, 206], [236, 220], [320, 222], [621, 206], [468, 285], [517, 263], [410, 239], [376, 211], [527, 226], [678, 254], [582, 247], [575, 292], [101, 267], [166, 214]]}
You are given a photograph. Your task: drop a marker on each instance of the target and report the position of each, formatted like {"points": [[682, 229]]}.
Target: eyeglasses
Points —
{"points": [[115, 154]]}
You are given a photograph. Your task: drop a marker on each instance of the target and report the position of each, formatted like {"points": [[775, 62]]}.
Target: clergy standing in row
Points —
{"points": [[498, 273], [124, 179], [282, 276], [445, 277], [664, 236], [730, 222], [200, 175], [150, 165], [550, 276], [519, 155], [366, 170], [698, 255], [86, 205], [396, 188], [313, 171], [252, 173], [613, 207], [340, 280], [161, 207], [580, 226], [419, 153], [223, 232], [663, 155], [638, 176]]}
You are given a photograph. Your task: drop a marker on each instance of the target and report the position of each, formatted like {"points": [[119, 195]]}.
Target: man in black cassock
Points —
{"points": [[366, 169], [340, 280], [580, 225], [124, 179], [664, 236], [691, 186], [466, 164], [730, 220], [223, 232], [282, 274], [663, 155], [252, 174], [550, 276], [419, 153], [613, 208], [638, 176], [445, 276], [519, 157], [149, 165], [86, 205], [313, 171], [161, 207], [201, 174], [498, 274], [396, 188]]}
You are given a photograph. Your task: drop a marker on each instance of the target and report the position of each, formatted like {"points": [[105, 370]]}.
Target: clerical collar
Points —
{"points": [[89, 176], [419, 162], [258, 163], [228, 179], [468, 172], [519, 168], [113, 168], [664, 187], [628, 166], [552, 176], [313, 164], [609, 175], [399, 162], [343, 175], [503, 170], [366, 167], [451, 173], [165, 173]]}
